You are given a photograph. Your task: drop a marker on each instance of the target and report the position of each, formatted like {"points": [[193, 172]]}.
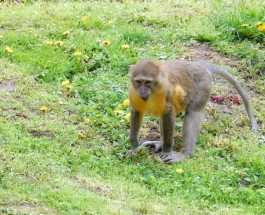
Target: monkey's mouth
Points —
{"points": [[145, 98]]}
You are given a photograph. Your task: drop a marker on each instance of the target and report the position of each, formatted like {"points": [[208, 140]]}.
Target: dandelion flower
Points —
{"points": [[86, 57], [1, 37], [87, 121], [110, 22], [58, 43], [65, 33], [118, 112], [105, 42], [119, 107], [245, 25], [125, 46], [9, 50], [259, 23], [48, 43], [179, 170], [77, 53], [82, 135], [69, 86], [128, 116], [126, 103], [66, 82], [84, 19], [43, 108], [261, 27]]}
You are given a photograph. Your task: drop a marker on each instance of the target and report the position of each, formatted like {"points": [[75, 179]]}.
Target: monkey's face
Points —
{"points": [[144, 87], [146, 78]]}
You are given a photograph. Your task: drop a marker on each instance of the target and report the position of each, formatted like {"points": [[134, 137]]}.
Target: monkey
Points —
{"points": [[165, 89]]}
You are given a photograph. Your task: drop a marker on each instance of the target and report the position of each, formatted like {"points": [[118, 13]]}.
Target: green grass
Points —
{"points": [[52, 162]]}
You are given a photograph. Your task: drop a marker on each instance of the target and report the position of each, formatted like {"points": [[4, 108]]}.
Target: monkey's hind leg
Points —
{"points": [[191, 128]]}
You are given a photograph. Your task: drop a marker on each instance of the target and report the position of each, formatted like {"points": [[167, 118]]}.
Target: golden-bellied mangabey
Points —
{"points": [[165, 89]]}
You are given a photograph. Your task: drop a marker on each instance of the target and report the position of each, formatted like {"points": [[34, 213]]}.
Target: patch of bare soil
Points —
{"points": [[203, 52], [39, 134], [25, 208], [8, 86], [150, 133]]}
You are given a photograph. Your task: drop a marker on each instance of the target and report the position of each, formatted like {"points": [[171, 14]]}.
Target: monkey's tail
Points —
{"points": [[224, 73]]}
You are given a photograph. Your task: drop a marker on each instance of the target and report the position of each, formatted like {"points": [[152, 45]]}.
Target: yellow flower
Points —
{"points": [[179, 170], [65, 33], [66, 82], [87, 121], [86, 57], [84, 19], [9, 50], [118, 112], [69, 86], [1, 37], [58, 43], [119, 107], [77, 53], [110, 22], [259, 23], [245, 25], [49, 43], [125, 46], [43, 108], [105, 42], [261, 27], [82, 135], [128, 116], [126, 103]]}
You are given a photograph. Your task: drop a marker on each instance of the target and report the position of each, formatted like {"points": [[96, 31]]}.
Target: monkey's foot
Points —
{"points": [[156, 144], [172, 157], [130, 152]]}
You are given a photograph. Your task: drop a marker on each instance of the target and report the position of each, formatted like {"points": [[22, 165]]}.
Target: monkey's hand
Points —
{"points": [[156, 144], [172, 157]]}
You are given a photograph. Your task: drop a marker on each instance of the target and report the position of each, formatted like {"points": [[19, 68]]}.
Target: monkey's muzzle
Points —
{"points": [[144, 97]]}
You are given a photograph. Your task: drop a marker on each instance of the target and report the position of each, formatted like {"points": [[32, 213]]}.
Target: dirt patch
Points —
{"points": [[39, 134], [8, 86], [25, 208], [203, 52], [150, 132]]}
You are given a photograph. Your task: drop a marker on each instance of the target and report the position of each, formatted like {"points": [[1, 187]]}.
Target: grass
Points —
{"points": [[53, 162]]}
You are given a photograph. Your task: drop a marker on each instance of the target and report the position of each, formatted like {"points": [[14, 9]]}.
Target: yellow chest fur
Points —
{"points": [[155, 105]]}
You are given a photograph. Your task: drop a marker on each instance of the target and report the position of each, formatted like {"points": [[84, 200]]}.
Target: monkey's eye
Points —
{"points": [[138, 82], [148, 83]]}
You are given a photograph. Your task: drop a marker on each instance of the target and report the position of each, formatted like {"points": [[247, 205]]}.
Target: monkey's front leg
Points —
{"points": [[168, 125], [135, 123]]}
